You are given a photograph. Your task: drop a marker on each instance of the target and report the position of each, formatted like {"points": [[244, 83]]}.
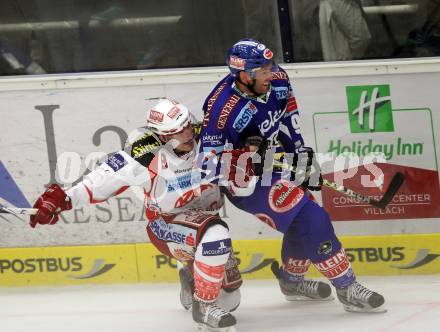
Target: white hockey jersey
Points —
{"points": [[171, 183]]}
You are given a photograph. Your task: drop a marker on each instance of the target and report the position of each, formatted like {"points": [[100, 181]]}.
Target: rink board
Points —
{"points": [[370, 255], [56, 127]]}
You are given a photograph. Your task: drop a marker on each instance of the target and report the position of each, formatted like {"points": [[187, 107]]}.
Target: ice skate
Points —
{"points": [[304, 290], [357, 298], [229, 300], [186, 287], [209, 317]]}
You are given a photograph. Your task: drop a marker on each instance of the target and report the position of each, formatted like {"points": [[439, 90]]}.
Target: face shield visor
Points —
{"points": [[265, 72], [185, 135]]}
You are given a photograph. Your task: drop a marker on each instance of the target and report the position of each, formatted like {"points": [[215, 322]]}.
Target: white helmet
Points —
{"points": [[168, 117]]}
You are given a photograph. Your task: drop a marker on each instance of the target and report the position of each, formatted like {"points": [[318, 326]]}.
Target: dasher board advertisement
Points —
{"points": [[410, 254], [402, 139]]}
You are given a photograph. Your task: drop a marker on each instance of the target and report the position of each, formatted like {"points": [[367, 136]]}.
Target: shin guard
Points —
{"points": [[337, 269]]}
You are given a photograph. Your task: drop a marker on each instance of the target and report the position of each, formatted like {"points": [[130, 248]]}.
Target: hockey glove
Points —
{"points": [[53, 201], [303, 161], [239, 172], [259, 145]]}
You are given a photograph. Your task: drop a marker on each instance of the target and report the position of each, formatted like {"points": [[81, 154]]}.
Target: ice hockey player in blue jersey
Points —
{"points": [[255, 105]]}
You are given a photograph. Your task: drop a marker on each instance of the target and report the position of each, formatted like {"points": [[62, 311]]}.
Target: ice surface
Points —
{"points": [[413, 304]]}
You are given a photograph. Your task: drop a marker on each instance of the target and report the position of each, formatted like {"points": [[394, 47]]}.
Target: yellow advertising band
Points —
{"points": [[131, 263]]}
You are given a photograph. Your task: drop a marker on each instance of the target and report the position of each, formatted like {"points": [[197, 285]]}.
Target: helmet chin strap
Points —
{"points": [[249, 85], [251, 88]]}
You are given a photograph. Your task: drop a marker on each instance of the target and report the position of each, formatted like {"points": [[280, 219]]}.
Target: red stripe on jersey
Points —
{"points": [[291, 105], [153, 167], [95, 201], [91, 199], [120, 190]]}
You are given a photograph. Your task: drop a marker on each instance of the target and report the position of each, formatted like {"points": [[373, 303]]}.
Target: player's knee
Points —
{"points": [[216, 232], [215, 246]]}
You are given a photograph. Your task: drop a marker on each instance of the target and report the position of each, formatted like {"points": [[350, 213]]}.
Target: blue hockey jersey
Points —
{"points": [[230, 116]]}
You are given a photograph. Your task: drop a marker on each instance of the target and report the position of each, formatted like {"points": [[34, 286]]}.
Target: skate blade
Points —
{"points": [[378, 310], [187, 307], [204, 328], [307, 299]]}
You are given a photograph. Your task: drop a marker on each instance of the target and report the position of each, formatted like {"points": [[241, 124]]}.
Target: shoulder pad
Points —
{"points": [[144, 148]]}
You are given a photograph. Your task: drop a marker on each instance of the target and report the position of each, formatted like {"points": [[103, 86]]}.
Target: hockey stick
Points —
{"points": [[392, 189], [395, 184], [17, 211]]}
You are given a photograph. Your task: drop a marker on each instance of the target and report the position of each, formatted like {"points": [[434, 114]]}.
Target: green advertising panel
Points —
{"points": [[369, 108]]}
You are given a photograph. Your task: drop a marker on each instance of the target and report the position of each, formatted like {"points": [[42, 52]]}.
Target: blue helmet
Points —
{"points": [[246, 55]]}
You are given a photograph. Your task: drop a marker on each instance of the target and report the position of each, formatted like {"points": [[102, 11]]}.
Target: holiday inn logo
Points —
{"points": [[362, 132], [370, 112], [369, 108], [374, 128]]}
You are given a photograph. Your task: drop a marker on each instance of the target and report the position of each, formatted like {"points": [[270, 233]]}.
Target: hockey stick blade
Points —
{"points": [[394, 186]]}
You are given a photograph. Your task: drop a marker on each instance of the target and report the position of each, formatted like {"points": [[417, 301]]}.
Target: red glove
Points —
{"points": [[240, 170], [53, 201]]}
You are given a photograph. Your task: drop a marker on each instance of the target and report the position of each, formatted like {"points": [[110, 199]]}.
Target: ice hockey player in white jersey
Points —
{"points": [[182, 211]]}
